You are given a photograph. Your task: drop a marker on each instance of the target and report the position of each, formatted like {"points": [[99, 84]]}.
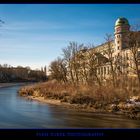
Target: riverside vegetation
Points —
{"points": [[89, 98]]}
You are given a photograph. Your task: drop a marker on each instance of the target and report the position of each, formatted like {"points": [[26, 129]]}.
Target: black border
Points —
{"points": [[89, 133], [69, 2], [78, 133]]}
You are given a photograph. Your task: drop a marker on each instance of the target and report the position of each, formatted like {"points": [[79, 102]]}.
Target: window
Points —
{"points": [[118, 47], [95, 70], [118, 29], [104, 70], [138, 54], [107, 70], [118, 42], [127, 56], [101, 70], [118, 36], [119, 68], [98, 70]]}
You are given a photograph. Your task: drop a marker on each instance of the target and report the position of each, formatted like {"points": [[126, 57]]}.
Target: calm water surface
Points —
{"points": [[18, 112]]}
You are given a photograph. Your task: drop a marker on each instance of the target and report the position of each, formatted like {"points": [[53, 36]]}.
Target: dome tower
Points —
{"points": [[121, 29]]}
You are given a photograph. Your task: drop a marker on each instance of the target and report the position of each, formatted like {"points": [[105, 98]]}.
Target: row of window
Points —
{"points": [[104, 70]]}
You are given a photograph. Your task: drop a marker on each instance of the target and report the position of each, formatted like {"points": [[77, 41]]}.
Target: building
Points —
{"points": [[116, 57]]}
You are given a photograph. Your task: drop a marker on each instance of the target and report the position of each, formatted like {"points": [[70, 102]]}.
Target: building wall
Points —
{"points": [[120, 52], [121, 57]]}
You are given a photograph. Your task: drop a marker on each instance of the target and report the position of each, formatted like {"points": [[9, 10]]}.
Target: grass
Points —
{"points": [[100, 98], [82, 94]]}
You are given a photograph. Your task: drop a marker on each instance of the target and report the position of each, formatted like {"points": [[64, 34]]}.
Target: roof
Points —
{"points": [[104, 44], [121, 21]]}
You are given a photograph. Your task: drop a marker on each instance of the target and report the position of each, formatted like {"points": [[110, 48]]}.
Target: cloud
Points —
{"points": [[35, 25], [51, 25]]}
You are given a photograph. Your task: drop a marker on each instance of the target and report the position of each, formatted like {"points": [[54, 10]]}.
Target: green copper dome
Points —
{"points": [[121, 21]]}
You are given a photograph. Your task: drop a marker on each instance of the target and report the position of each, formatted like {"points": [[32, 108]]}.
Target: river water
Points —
{"points": [[18, 112]]}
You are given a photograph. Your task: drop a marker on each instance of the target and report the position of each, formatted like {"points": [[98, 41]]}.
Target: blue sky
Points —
{"points": [[34, 34]]}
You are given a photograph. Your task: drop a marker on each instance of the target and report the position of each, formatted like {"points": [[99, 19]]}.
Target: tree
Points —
{"points": [[82, 65], [58, 70], [109, 54], [45, 70], [134, 47], [94, 62], [71, 60]]}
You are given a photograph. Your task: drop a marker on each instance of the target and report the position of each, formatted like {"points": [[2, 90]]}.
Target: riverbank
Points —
{"points": [[64, 104], [85, 98], [82, 108], [10, 84], [2, 85]]}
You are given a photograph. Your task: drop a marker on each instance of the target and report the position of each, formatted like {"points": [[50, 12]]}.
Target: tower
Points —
{"points": [[121, 29]]}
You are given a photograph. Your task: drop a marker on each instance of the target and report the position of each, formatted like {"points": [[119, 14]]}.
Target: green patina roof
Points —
{"points": [[121, 21]]}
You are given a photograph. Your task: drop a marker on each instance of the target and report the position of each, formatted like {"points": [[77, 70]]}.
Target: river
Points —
{"points": [[18, 112]]}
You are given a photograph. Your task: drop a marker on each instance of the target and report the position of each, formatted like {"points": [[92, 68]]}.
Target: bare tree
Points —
{"points": [[81, 59], [94, 64], [58, 70], [109, 53], [71, 60], [67, 54], [89, 61], [134, 47]]}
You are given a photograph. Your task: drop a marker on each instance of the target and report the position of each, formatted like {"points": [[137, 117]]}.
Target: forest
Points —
{"points": [[21, 74]]}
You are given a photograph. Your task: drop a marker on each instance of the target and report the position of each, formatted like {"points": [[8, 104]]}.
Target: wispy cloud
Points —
{"points": [[14, 36], [51, 25]]}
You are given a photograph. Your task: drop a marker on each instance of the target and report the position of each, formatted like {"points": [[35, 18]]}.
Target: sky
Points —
{"points": [[34, 34]]}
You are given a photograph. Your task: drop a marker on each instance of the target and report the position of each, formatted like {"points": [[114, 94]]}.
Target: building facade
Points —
{"points": [[120, 51], [117, 56]]}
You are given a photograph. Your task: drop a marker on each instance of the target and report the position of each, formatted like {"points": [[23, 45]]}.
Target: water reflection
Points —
{"points": [[18, 112]]}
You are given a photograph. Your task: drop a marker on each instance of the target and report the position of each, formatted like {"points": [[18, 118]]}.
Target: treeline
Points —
{"points": [[21, 74]]}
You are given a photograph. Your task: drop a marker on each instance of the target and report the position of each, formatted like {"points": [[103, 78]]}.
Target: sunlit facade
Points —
{"points": [[123, 62]]}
